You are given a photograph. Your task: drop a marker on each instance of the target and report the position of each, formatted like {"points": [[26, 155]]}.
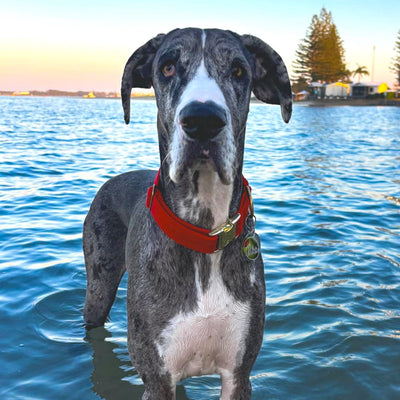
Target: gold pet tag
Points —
{"points": [[251, 246]]}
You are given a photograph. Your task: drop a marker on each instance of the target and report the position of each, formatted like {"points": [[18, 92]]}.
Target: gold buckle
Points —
{"points": [[251, 201], [226, 232], [152, 196]]}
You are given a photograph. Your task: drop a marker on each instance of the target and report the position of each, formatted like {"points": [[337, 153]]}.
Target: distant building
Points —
{"points": [[301, 96], [340, 90], [337, 90], [317, 90], [90, 95], [362, 90]]}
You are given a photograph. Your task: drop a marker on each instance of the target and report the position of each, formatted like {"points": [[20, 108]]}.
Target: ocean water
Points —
{"points": [[327, 199]]}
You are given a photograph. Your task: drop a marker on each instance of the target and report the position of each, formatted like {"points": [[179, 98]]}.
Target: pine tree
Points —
{"points": [[395, 67], [320, 55]]}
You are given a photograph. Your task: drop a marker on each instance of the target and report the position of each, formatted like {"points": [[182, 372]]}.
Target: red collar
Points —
{"points": [[191, 236]]}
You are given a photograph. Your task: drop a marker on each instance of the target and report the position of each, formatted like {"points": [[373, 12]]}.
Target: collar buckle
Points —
{"points": [[150, 195], [226, 232]]}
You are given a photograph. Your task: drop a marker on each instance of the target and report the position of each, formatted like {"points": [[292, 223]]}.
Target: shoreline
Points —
{"points": [[348, 102], [302, 103], [75, 96]]}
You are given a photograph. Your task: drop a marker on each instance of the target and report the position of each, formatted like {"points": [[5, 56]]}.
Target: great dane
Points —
{"points": [[196, 288]]}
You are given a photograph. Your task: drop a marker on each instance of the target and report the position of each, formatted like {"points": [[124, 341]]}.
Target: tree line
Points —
{"points": [[320, 56]]}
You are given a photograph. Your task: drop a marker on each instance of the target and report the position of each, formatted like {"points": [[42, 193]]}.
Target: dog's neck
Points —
{"points": [[207, 196], [200, 198]]}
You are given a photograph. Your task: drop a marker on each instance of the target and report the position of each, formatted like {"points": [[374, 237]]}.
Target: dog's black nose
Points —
{"points": [[202, 121]]}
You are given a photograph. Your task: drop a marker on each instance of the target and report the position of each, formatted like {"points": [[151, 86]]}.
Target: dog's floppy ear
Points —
{"points": [[271, 82], [138, 72]]}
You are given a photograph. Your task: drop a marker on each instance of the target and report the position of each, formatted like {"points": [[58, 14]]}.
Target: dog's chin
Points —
{"points": [[205, 162], [208, 165]]}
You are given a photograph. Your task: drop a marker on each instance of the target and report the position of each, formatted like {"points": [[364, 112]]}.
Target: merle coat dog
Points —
{"points": [[196, 289]]}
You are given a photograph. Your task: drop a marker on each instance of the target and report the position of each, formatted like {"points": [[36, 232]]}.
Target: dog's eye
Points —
{"points": [[168, 69], [237, 72]]}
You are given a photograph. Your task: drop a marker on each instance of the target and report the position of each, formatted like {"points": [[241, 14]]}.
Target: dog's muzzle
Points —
{"points": [[202, 121]]}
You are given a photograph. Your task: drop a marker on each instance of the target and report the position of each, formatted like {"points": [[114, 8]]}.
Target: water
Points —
{"points": [[326, 189]]}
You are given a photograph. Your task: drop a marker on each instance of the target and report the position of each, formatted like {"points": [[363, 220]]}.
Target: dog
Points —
{"points": [[186, 235]]}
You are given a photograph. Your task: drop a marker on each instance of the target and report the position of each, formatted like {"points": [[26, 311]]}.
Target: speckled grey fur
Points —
{"points": [[120, 233]]}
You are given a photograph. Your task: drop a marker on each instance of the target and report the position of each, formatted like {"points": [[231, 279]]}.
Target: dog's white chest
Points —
{"points": [[210, 339]]}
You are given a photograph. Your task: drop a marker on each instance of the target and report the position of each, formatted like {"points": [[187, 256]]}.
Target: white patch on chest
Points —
{"points": [[215, 196], [212, 195], [210, 339]]}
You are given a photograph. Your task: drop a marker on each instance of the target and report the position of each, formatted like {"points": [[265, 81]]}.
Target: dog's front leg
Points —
{"points": [[235, 388], [158, 391], [143, 348], [158, 383]]}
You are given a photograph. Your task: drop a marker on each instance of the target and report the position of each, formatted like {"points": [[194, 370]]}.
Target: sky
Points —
{"points": [[84, 44]]}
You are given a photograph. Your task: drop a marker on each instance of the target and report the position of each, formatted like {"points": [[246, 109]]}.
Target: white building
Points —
{"points": [[337, 89]]}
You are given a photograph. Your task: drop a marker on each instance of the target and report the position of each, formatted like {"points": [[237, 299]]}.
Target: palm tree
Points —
{"points": [[347, 75], [360, 71]]}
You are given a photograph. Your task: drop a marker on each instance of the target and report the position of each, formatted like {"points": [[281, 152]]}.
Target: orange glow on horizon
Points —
{"points": [[75, 46], [65, 69]]}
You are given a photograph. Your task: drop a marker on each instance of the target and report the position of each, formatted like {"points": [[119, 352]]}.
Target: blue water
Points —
{"points": [[327, 199]]}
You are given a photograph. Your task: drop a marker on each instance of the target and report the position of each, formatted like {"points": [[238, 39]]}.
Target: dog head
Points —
{"points": [[203, 80]]}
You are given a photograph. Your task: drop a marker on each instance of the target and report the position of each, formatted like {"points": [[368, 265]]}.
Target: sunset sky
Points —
{"points": [[83, 45]]}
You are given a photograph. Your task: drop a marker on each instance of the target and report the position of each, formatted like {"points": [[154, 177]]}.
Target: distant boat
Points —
{"points": [[90, 95], [21, 94]]}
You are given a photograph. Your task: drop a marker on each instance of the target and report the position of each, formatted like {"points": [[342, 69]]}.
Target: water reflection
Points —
{"points": [[112, 375]]}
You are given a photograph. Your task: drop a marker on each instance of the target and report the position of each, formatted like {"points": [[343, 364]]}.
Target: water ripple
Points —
{"points": [[326, 189]]}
